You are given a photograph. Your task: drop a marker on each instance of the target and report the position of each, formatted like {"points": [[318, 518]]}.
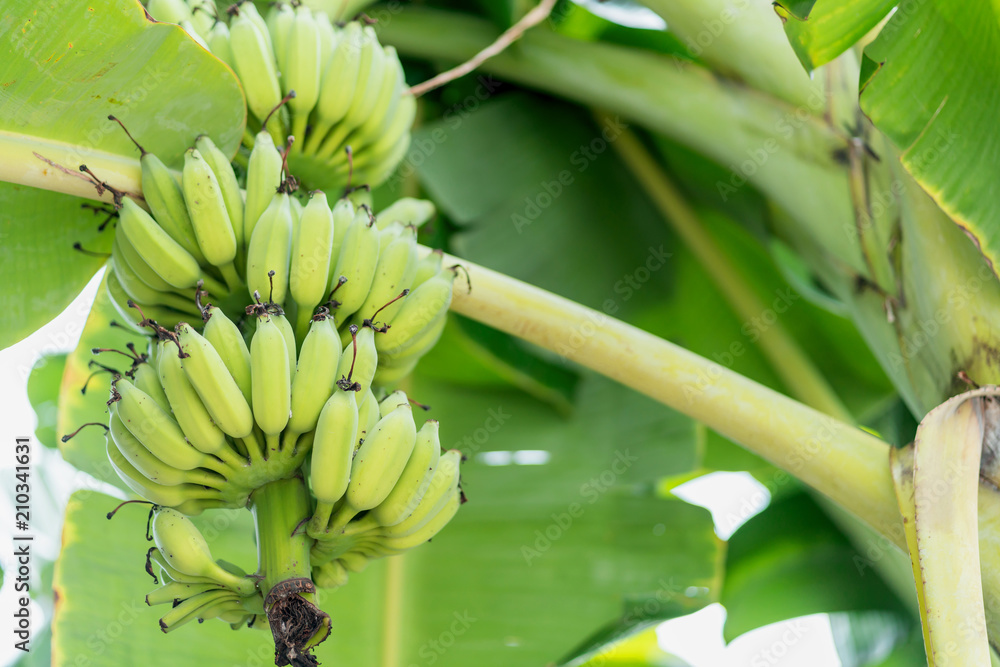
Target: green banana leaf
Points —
{"points": [[946, 131], [97, 58], [820, 30], [43, 394]]}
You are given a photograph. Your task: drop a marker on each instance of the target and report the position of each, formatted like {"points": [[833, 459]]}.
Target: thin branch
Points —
{"points": [[509, 36]]}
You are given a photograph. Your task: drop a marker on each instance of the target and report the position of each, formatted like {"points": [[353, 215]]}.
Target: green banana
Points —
{"points": [[382, 165], [356, 262], [415, 348], [165, 198], [372, 69], [255, 64], [358, 361], [428, 267], [146, 378], [301, 72], [444, 483], [168, 11], [279, 25], [125, 254], [422, 309], [163, 254], [184, 548], [330, 575], [152, 468], [218, 44], [187, 407], [332, 452], [329, 36], [310, 261], [203, 17], [176, 591], [394, 273], [360, 196], [270, 248], [227, 340], [343, 216], [390, 376], [142, 293], [397, 545], [155, 428], [193, 33], [336, 90], [247, 8], [203, 605], [415, 479], [386, 100], [353, 561], [263, 179], [207, 207], [228, 184], [179, 495], [167, 317], [378, 464], [290, 344], [271, 383], [218, 390], [407, 211], [315, 374], [368, 415]]}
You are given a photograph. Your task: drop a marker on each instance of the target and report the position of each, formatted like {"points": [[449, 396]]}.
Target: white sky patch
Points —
{"points": [[732, 498], [697, 639], [521, 457], [626, 13]]}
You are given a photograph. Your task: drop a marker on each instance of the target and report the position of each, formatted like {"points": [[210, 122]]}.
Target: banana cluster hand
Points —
{"points": [[350, 113], [196, 585], [394, 474]]}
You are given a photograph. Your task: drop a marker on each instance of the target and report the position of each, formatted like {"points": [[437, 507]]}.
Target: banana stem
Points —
{"points": [[254, 450], [214, 287], [793, 366], [273, 443], [278, 507], [320, 518], [341, 519]]}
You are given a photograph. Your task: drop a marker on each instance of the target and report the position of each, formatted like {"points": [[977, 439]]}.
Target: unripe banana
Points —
{"points": [[444, 483], [271, 383], [285, 327], [203, 17], [413, 351], [337, 89], [229, 186], [207, 206], [270, 247], [216, 387], [227, 340], [343, 216], [354, 561], [247, 8], [263, 179], [301, 72], [124, 255], [142, 293], [332, 452], [392, 401], [184, 548], [155, 428], [328, 39], [380, 461], [395, 271], [162, 253], [146, 378], [360, 196], [187, 407], [152, 468], [193, 33], [383, 165], [168, 11], [395, 133], [218, 44], [175, 591], [368, 415], [180, 495], [428, 267], [279, 25], [330, 575], [166, 201], [407, 211], [167, 317], [421, 310], [416, 478], [396, 545], [200, 607], [310, 263], [372, 69], [315, 375], [386, 100], [358, 362], [255, 64], [390, 376], [357, 261]]}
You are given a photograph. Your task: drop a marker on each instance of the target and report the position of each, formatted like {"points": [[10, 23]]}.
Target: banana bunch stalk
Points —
{"points": [[350, 113]]}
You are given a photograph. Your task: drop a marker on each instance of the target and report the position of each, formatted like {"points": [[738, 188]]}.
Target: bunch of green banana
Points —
{"points": [[196, 585], [422, 499], [350, 115]]}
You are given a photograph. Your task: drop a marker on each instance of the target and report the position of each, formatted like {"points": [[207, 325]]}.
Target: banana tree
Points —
{"points": [[761, 226]]}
